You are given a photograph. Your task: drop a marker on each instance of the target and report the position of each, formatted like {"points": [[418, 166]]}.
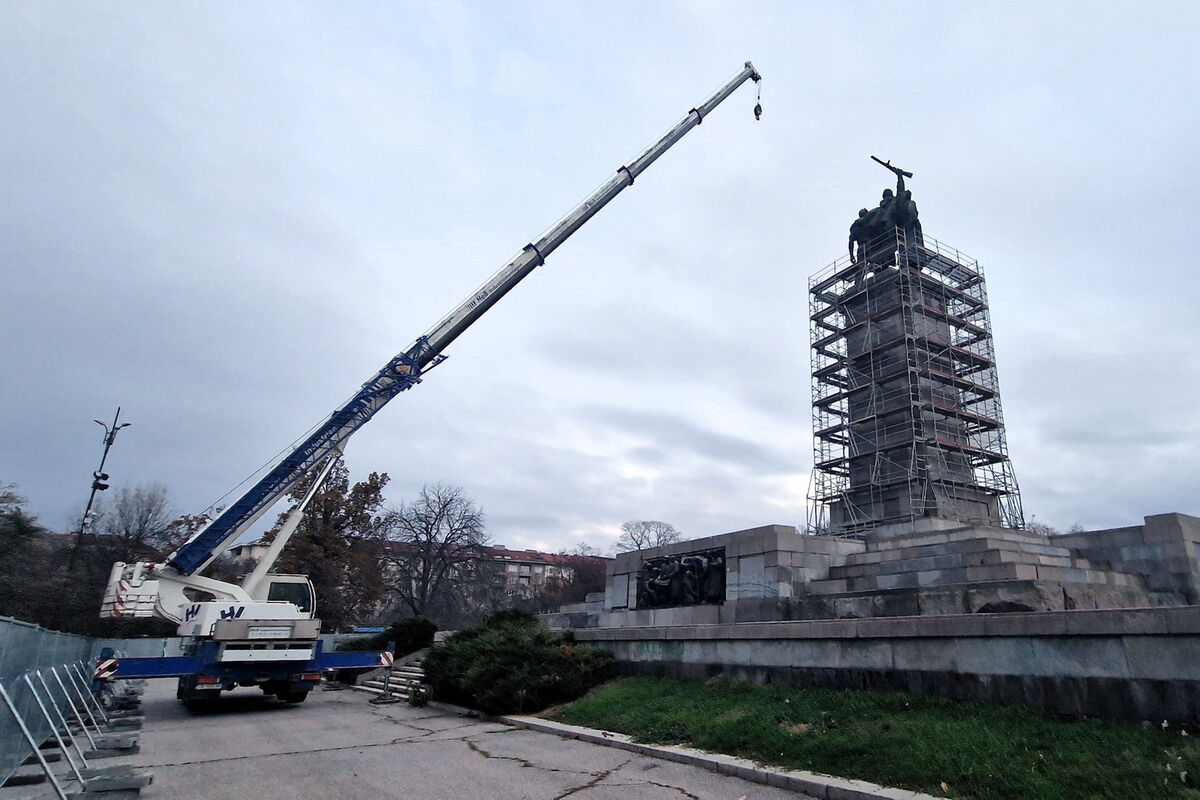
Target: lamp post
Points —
{"points": [[99, 477]]}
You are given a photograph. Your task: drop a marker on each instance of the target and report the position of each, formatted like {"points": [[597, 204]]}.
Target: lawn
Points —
{"points": [[942, 747]]}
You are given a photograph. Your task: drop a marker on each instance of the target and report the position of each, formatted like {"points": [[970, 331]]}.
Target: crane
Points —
{"points": [[269, 617]]}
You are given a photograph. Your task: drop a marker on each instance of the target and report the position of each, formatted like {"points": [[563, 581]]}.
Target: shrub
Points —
{"points": [[508, 663], [409, 636]]}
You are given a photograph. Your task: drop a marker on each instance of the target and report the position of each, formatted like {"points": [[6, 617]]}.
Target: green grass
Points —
{"points": [[895, 739]]}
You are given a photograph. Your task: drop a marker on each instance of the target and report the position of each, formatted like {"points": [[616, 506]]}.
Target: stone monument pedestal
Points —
{"points": [[774, 573]]}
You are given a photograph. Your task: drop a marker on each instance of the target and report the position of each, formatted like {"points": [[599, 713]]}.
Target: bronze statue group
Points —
{"points": [[873, 234], [682, 580]]}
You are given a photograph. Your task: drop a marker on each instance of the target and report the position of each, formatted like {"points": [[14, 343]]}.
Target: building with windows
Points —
{"points": [[526, 572]]}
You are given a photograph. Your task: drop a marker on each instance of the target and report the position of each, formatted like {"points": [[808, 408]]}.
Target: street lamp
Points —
{"points": [[100, 477]]}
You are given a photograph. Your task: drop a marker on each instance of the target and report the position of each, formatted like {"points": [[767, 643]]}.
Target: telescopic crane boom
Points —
{"points": [[405, 370], [262, 632]]}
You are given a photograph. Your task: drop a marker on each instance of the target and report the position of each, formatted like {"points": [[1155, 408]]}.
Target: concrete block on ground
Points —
{"points": [[108, 779]]}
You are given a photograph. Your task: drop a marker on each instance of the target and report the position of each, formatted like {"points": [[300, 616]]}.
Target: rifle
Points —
{"points": [[899, 172]]}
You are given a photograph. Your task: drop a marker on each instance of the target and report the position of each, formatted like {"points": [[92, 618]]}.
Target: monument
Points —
{"points": [[906, 406], [915, 571], [914, 506]]}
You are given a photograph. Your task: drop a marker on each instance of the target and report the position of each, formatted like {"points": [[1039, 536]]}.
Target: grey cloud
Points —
{"points": [[675, 433]]}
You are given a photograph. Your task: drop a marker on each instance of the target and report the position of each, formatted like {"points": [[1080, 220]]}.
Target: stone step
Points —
{"points": [[970, 545], [974, 544], [945, 576], [395, 688], [398, 684], [935, 562], [956, 535], [980, 551]]}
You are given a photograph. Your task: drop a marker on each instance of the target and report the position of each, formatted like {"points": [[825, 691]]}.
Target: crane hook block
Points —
{"points": [[758, 111]]}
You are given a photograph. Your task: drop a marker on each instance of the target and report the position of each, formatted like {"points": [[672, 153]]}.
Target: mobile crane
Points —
{"points": [[262, 632]]}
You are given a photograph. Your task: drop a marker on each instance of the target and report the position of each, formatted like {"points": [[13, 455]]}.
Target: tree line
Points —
{"points": [[368, 563]]}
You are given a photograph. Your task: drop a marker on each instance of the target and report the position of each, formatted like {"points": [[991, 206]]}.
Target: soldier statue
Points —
{"points": [[871, 235]]}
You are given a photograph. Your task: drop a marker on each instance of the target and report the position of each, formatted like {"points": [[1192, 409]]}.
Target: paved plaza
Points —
{"points": [[339, 745]]}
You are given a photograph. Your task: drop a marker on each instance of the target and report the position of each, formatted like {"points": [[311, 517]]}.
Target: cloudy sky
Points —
{"points": [[224, 217]]}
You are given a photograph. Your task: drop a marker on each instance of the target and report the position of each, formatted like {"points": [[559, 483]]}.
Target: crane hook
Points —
{"points": [[758, 102]]}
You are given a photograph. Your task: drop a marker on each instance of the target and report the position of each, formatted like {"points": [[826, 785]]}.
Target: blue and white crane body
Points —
{"points": [[262, 631]]}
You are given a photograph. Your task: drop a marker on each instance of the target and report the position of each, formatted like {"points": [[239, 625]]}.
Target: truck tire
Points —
{"points": [[200, 705]]}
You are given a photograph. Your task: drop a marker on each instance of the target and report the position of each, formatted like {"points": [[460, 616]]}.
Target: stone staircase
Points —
{"points": [[963, 571], [966, 555], [394, 685]]}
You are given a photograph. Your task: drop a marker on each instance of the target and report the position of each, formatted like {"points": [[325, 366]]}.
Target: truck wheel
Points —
{"points": [[292, 697], [200, 705]]}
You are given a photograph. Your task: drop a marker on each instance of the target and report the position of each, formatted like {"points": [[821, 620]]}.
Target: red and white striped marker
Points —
{"points": [[106, 670], [385, 659]]}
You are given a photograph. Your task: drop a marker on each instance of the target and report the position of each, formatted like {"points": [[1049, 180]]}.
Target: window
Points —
{"points": [[298, 594]]}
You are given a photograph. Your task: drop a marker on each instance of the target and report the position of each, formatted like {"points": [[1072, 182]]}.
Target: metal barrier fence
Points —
{"points": [[140, 648], [24, 648], [46, 675]]}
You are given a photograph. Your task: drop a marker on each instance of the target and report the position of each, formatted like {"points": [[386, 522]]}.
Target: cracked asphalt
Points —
{"points": [[337, 745]]}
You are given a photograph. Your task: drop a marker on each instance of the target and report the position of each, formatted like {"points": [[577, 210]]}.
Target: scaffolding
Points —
{"points": [[906, 404]]}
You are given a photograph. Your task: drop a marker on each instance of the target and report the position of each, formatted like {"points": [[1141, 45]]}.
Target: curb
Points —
{"points": [[824, 787]]}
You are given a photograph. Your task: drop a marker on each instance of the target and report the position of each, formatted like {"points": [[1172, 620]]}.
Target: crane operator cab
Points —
{"points": [[294, 589]]}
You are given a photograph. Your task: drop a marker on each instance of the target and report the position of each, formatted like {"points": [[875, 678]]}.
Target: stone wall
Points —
{"points": [[1137, 664], [931, 567], [770, 563], [1165, 550]]}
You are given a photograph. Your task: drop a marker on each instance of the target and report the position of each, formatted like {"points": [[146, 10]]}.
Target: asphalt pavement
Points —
{"points": [[339, 746]]}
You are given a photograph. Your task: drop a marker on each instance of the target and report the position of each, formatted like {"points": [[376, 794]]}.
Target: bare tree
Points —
{"points": [[53, 581], [642, 534], [137, 523], [1040, 528], [433, 548], [19, 537], [581, 571]]}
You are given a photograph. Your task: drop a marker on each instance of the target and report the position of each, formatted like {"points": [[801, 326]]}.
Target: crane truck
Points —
{"points": [[262, 631]]}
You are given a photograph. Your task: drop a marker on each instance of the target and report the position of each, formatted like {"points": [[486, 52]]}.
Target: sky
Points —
{"points": [[223, 218]]}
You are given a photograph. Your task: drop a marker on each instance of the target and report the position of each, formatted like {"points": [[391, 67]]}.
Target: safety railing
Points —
{"points": [[61, 724], [52, 721]]}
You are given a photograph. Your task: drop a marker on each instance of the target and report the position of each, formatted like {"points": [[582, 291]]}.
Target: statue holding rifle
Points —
{"points": [[870, 234]]}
